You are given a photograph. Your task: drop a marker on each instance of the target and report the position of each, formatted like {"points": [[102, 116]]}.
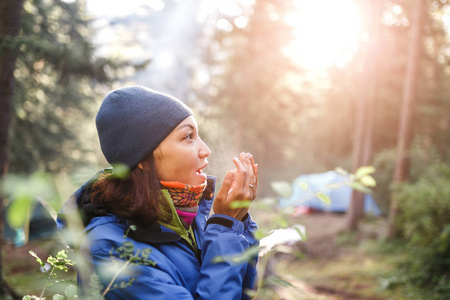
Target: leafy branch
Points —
{"points": [[60, 262], [132, 257]]}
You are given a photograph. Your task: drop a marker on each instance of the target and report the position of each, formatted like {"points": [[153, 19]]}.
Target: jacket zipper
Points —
{"points": [[190, 239], [194, 249]]}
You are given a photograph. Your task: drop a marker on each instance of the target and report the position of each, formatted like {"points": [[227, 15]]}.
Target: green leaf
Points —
{"points": [[278, 281], [303, 185], [368, 180], [365, 170], [58, 297], [18, 211], [120, 171], [95, 286], [282, 222], [250, 293], [37, 258], [62, 254], [22, 191], [26, 297], [70, 291], [282, 188], [341, 171], [288, 210], [38, 184], [324, 198], [240, 204], [266, 204], [300, 230], [359, 187], [246, 257], [259, 234]]}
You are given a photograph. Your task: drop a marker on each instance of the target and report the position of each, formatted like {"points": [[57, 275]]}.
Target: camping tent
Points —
{"points": [[305, 189], [42, 225]]}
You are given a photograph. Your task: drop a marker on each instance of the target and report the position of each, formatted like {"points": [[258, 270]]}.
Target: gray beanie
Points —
{"points": [[133, 121]]}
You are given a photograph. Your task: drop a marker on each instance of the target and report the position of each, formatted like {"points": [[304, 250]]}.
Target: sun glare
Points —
{"points": [[325, 33]]}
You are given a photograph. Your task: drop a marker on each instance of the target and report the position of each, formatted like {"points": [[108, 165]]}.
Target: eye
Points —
{"points": [[190, 136]]}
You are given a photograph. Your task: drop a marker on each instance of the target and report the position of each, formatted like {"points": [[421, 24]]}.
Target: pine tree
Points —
{"points": [[47, 73], [10, 12]]}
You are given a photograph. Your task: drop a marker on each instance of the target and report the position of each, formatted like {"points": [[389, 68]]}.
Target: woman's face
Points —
{"points": [[182, 155]]}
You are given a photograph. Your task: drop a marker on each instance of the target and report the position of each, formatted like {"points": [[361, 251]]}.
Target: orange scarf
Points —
{"points": [[184, 195]]}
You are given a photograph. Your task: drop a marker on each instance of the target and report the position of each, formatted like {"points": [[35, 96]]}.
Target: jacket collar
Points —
{"points": [[151, 234]]}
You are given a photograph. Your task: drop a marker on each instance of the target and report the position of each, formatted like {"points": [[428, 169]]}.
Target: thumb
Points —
{"points": [[226, 185]]}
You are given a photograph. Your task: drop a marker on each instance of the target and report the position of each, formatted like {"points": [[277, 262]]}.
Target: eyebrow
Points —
{"points": [[186, 125]]}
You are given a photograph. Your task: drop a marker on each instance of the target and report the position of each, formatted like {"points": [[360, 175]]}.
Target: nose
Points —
{"points": [[204, 150]]}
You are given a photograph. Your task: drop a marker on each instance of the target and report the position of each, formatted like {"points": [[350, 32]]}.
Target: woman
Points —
{"points": [[161, 211]]}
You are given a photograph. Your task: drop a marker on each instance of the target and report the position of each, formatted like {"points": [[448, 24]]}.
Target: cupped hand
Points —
{"points": [[239, 184]]}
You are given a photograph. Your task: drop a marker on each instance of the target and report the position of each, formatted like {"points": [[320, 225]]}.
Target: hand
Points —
{"points": [[239, 185]]}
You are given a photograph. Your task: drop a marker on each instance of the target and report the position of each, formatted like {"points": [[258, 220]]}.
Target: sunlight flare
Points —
{"points": [[325, 33]]}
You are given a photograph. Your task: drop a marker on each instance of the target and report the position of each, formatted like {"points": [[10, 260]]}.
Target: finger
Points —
{"points": [[249, 192], [226, 185], [254, 180], [255, 170], [249, 163], [245, 158], [254, 166], [250, 176], [241, 174], [235, 171], [256, 174]]}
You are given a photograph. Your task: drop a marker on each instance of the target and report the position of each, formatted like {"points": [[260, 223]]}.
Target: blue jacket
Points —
{"points": [[185, 266]]}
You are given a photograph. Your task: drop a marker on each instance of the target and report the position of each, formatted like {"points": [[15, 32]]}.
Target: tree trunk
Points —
{"points": [[362, 142], [405, 132], [10, 12]]}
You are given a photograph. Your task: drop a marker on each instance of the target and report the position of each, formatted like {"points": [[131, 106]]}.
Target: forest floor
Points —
{"points": [[332, 264]]}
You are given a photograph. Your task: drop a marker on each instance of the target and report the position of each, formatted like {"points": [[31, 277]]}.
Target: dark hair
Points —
{"points": [[137, 197]]}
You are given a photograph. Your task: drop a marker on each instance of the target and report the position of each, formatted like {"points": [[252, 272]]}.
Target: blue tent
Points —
{"points": [[333, 185], [42, 225]]}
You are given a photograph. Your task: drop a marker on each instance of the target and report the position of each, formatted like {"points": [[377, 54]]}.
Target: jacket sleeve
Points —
{"points": [[227, 239]]}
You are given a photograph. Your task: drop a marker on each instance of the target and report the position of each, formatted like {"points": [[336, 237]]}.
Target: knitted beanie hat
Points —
{"points": [[133, 121]]}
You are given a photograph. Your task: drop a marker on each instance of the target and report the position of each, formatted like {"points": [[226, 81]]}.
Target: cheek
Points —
{"points": [[176, 164], [182, 166], [170, 165]]}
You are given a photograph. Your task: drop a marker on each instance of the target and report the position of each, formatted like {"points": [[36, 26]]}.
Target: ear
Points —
{"points": [[143, 165]]}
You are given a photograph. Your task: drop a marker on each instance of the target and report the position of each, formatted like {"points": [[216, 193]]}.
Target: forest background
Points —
{"points": [[304, 87]]}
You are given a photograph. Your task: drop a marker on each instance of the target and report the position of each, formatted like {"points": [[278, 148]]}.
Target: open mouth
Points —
{"points": [[200, 171]]}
